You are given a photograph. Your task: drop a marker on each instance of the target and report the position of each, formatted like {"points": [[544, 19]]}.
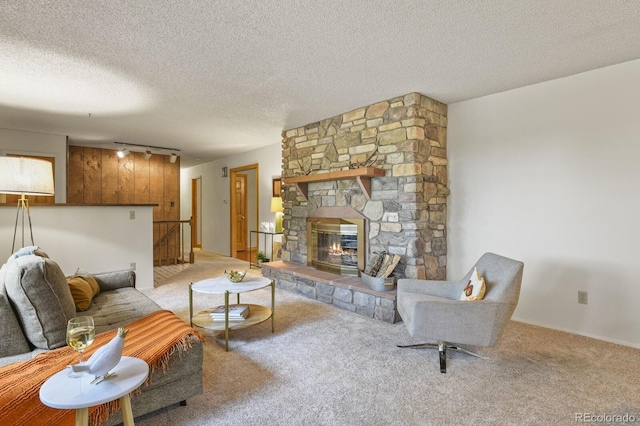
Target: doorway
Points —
{"points": [[243, 210]]}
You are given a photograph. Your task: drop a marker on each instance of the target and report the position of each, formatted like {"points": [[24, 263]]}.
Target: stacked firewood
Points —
{"points": [[381, 264]]}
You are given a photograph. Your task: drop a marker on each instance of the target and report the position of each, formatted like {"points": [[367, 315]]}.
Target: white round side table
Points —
{"points": [[62, 391]]}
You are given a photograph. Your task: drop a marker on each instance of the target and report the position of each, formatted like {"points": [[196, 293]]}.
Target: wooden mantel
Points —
{"points": [[362, 175]]}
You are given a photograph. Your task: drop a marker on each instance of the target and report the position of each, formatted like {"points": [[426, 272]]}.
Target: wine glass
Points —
{"points": [[80, 334]]}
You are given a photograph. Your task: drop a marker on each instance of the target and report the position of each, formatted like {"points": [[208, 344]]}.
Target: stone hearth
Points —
{"points": [[344, 292]]}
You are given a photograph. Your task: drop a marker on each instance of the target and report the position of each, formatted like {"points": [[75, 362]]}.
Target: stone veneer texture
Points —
{"points": [[407, 137]]}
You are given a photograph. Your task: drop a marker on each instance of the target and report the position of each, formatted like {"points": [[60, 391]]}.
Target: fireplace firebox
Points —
{"points": [[336, 245]]}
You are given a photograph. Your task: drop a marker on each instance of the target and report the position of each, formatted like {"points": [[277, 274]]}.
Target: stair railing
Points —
{"points": [[169, 249]]}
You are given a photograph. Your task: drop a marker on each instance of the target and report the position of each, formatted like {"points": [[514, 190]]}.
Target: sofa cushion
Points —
{"points": [[115, 279], [119, 307], [39, 291], [12, 340], [83, 290]]}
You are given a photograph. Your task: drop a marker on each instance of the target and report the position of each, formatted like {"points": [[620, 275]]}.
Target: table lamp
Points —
{"points": [[276, 207], [25, 176]]}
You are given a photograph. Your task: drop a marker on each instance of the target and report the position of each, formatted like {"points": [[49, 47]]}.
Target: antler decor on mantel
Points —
{"points": [[363, 175]]}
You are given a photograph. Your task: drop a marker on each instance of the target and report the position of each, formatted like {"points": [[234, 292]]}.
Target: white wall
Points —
{"points": [[39, 144], [216, 193], [93, 238], [549, 174]]}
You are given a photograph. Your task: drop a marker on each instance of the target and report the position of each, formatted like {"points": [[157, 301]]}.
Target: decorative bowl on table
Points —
{"points": [[235, 276]]}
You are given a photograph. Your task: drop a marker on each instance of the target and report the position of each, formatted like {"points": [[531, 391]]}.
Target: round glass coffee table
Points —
{"points": [[222, 285]]}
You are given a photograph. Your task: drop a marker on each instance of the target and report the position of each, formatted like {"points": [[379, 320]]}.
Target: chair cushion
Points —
{"points": [[475, 288], [83, 290], [39, 291]]}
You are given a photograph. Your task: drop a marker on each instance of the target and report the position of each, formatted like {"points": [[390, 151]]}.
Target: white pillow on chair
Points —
{"points": [[475, 288]]}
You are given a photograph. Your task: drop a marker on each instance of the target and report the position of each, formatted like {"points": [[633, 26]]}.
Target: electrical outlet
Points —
{"points": [[132, 266], [132, 214], [582, 297]]}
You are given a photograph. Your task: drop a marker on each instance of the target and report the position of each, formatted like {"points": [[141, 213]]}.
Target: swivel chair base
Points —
{"points": [[442, 349]]}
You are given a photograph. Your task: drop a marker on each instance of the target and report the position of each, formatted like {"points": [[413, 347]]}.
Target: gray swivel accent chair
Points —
{"points": [[431, 310]]}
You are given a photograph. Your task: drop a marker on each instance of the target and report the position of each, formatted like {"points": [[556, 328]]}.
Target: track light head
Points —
{"points": [[147, 155], [123, 153], [173, 157]]}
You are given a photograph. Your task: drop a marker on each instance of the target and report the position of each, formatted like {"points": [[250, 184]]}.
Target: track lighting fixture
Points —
{"points": [[147, 152]]}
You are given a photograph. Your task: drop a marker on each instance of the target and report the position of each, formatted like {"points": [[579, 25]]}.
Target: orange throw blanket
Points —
{"points": [[153, 338]]}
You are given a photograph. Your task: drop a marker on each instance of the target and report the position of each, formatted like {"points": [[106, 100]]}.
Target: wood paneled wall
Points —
{"points": [[99, 176]]}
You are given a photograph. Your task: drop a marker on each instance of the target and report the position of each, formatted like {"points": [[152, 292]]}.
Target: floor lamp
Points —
{"points": [[25, 176]]}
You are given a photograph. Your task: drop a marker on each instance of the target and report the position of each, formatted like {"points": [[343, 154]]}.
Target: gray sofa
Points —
{"points": [[35, 304]]}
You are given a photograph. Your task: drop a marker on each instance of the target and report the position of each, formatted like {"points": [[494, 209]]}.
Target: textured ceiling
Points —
{"points": [[214, 78]]}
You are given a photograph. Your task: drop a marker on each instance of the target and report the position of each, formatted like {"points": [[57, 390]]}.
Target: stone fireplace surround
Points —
{"points": [[404, 138]]}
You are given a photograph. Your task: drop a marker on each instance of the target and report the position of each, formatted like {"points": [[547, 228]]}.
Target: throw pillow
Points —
{"points": [[26, 251], [90, 279], [475, 288], [80, 271], [39, 291], [83, 290]]}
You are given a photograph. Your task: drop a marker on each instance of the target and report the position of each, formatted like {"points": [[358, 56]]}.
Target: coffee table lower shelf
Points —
{"points": [[257, 314], [221, 285]]}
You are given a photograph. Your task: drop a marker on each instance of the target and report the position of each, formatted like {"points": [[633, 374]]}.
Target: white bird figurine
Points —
{"points": [[104, 359]]}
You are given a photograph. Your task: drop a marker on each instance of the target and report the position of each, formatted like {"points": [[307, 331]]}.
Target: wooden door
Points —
{"points": [[240, 186], [235, 191]]}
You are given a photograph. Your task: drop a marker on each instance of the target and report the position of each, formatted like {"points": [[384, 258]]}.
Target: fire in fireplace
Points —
{"points": [[336, 245]]}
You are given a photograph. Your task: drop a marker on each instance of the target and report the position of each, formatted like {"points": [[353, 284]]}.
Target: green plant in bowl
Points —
{"points": [[235, 276]]}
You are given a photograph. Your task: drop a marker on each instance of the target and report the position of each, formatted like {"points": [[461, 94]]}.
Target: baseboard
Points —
{"points": [[589, 335]]}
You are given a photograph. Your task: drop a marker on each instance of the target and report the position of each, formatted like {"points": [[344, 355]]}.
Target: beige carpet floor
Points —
{"points": [[327, 366]]}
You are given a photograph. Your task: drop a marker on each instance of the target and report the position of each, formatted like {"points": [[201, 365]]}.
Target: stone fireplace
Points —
{"points": [[386, 163]]}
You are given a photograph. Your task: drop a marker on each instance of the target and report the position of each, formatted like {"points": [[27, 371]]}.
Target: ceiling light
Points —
{"points": [[146, 154]]}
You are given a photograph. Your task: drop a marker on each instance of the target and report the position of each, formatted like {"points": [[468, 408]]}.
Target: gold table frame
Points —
{"points": [[221, 285]]}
